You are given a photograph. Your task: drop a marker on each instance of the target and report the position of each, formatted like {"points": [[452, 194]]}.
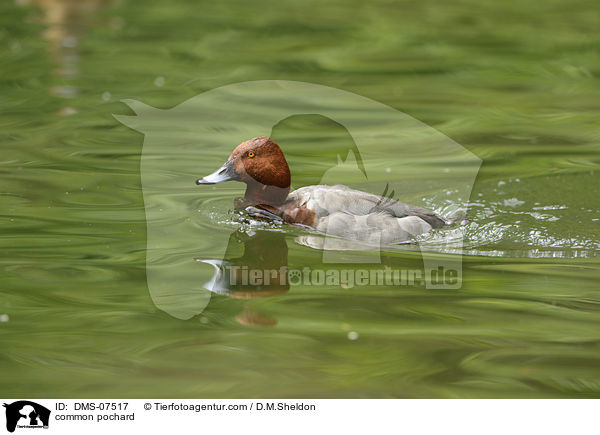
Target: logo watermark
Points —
{"points": [[393, 156], [25, 414]]}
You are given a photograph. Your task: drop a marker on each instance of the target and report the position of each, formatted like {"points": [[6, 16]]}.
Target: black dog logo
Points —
{"points": [[31, 412]]}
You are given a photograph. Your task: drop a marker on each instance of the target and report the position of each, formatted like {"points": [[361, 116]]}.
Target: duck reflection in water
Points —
{"points": [[249, 271]]}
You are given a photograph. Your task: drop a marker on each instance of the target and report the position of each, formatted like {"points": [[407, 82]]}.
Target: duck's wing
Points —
{"points": [[327, 200], [374, 229]]}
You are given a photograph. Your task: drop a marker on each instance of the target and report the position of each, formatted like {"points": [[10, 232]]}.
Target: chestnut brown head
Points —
{"points": [[258, 162]]}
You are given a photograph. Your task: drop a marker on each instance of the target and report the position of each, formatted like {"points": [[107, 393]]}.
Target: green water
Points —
{"points": [[514, 83]]}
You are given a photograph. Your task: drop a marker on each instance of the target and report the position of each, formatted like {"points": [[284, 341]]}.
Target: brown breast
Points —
{"points": [[291, 213]]}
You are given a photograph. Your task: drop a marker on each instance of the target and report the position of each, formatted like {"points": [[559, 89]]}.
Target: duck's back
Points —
{"points": [[345, 212]]}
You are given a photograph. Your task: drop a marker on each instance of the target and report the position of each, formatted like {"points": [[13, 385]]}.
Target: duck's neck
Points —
{"points": [[258, 194]]}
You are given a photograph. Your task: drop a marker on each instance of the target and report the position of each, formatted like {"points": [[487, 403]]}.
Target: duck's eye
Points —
{"points": [[251, 154]]}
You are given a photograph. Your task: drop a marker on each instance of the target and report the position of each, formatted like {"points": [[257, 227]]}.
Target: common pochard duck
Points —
{"points": [[333, 210]]}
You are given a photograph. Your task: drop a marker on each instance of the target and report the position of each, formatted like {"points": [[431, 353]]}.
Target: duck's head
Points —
{"points": [[259, 163]]}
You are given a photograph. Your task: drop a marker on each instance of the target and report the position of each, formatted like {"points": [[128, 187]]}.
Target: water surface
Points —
{"points": [[516, 84]]}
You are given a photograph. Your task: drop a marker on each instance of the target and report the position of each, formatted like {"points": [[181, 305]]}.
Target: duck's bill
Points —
{"points": [[224, 173]]}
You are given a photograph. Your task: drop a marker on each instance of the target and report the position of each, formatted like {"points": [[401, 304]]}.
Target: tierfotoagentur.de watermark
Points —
{"points": [[344, 278]]}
